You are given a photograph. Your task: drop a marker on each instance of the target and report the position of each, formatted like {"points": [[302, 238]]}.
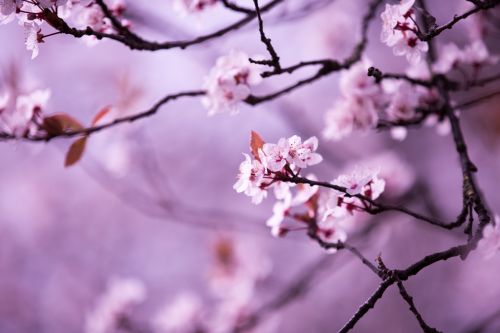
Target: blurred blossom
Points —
{"points": [[237, 268], [115, 304], [357, 108], [24, 116], [229, 82], [489, 245], [398, 176], [183, 315]]}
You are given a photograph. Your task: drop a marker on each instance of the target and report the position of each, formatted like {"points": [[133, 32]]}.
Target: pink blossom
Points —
{"points": [[355, 82], [274, 156], [411, 47], [449, 57], [398, 176], [363, 181], [183, 315], [330, 226], [303, 154], [280, 210], [398, 31], [489, 245], [238, 266], [120, 296], [33, 38], [443, 126], [22, 118], [292, 152], [348, 116], [477, 54], [229, 82], [403, 101], [330, 231], [250, 179]]}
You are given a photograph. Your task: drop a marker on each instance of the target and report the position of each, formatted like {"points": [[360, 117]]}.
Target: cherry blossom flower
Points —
{"points": [[354, 82], [399, 177], [21, 119], [348, 116], [183, 315], [275, 160], [357, 109], [411, 47], [303, 154], [33, 38], [477, 55], [399, 133], [403, 102], [229, 82], [280, 210], [274, 156], [398, 31], [364, 181], [250, 179], [449, 58], [116, 302], [330, 230], [489, 245], [291, 151], [443, 126], [237, 268]]}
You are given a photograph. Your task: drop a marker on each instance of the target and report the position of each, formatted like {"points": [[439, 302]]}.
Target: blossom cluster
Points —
{"points": [[475, 54], [328, 213], [229, 82], [358, 106], [287, 157], [33, 14], [400, 31], [21, 115], [363, 102], [489, 245], [236, 270]]}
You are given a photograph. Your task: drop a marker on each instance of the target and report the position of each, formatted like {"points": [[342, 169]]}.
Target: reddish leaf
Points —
{"points": [[75, 152], [60, 123], [256, 143], [99, 115]]}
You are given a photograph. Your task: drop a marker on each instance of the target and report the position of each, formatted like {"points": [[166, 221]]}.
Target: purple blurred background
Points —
{"points": [[150, 198]]}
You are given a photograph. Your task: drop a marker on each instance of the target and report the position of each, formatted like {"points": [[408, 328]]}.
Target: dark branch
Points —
{"points": [[404, 293]]}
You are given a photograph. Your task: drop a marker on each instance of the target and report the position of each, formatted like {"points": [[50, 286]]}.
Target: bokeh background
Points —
{"points": [[149, 199]]}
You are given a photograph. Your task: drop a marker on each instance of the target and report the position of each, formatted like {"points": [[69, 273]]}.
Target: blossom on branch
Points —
{"points": [[358, 107], [362, 181], [399, 31], [229, 82], [21, 116]]}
